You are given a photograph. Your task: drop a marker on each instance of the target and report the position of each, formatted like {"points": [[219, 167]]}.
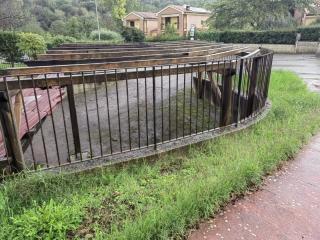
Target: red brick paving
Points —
{"points": [[287, 206]]}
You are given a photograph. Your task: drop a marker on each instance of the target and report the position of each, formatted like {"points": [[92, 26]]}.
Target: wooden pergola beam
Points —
{"points": [[96, 55], [117, 65], [100, 77]]}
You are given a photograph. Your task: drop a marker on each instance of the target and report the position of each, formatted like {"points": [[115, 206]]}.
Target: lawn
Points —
{"points": [[162, 198]]}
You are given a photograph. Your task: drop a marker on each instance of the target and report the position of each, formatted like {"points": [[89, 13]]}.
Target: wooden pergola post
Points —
{"points": [[226, 117], [10, 133], [253, 79], [74, 119]]}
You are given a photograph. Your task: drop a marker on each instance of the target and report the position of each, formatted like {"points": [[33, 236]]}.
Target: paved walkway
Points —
{"points": [[306, 66], [287, 207]]}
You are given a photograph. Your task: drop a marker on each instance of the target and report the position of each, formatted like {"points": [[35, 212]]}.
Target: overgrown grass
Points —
{"points": [[162, 199]]}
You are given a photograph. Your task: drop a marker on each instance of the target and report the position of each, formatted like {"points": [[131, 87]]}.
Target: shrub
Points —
{"points": [[132, 34], [31, 44], [311, 33], [9, 47], [58, 40], [170, 34], [270, 37], [105, 35]]}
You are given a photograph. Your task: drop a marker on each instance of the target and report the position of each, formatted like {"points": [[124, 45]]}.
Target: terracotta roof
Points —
{"points": [[146, 15]]}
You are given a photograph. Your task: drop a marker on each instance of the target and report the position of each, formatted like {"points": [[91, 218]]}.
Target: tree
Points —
{"points": [[254, 14], [9, 47], [11, 14], [119, 9], [31, 44]]}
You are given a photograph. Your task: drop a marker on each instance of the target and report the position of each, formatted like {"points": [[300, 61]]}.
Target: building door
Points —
{"points": [[167, 21]]}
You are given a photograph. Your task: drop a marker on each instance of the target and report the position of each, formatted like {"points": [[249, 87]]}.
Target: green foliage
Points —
{"points": [[50, 221], [170, 34], [311, 33], [132, 34], [119, 9], [9, 47], [150, 200], [105, 35], [31, 44], [255, 14], [55, 41], [268, 37]]}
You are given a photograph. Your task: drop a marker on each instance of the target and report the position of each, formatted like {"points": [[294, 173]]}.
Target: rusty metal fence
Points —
{"points": [[52, 119]]}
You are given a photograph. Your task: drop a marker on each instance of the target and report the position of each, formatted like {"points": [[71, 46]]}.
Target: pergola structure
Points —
{"points": [[232, 80]]}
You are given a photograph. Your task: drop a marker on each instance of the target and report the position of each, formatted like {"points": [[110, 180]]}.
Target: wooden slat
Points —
{"points": [[116, 65], [65, 80], [226, 108], [10, 133], [253, 84], [168, 47], [77, 56], [128, 58]]}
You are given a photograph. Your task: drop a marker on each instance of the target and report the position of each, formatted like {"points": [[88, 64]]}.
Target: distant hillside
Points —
{"points": [[76, 18]]}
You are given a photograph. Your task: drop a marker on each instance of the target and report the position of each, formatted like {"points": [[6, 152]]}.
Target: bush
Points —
{"points": [[132, 34], [170, 34], [310, 34], [269, 37], [31, 44], [58, 40], [105, 35], [9, 49]]}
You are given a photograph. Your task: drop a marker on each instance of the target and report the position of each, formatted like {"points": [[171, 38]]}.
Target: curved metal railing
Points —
{"points": [[63, 115]]}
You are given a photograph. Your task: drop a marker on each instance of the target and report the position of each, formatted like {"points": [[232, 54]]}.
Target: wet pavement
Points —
{"points": [[306, 66], [288, 205]]}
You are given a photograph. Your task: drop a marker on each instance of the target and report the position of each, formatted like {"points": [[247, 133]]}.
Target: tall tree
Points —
{"points": [[254, 14]]}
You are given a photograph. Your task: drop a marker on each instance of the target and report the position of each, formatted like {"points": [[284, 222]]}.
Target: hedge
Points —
{"points": [[311, 34]]}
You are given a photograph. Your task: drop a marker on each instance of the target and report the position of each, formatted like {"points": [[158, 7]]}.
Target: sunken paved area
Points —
{"points": [[288, 205]]}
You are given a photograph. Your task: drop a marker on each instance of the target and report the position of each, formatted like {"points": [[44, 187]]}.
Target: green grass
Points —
{"points": [[162, 199], [4, 65]]}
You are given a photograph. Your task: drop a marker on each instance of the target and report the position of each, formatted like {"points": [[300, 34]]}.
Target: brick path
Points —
{"points": [[287, 206]]}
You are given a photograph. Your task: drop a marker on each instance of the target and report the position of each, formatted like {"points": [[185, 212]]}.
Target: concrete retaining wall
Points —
{"points": [[301, 47]]}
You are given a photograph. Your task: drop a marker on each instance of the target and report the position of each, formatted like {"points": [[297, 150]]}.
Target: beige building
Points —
{"points": [[144, 21], [308, 17], [180, 17]]}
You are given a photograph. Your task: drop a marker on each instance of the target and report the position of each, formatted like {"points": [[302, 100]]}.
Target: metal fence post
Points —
{"points": [[154, 108], [10, 133]]}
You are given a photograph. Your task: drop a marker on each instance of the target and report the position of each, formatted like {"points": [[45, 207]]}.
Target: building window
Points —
{"points": [[131, 23]]}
